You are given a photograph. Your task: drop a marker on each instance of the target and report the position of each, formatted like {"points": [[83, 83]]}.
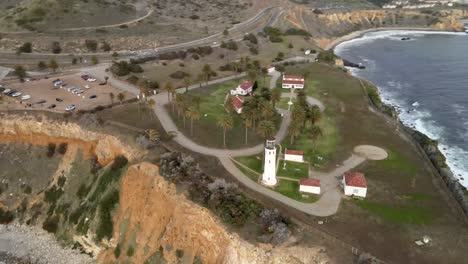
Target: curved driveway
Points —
{"points": [[330, 198]]}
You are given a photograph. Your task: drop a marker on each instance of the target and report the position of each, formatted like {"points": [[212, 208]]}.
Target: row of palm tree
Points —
{"points": [[304, 116]]}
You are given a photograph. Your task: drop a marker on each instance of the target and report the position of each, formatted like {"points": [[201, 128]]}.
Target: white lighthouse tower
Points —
{"points": [[269, 167]]}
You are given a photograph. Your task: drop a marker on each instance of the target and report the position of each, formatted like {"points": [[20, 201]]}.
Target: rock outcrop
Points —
{"points": [[169, 226], [43, 130]]}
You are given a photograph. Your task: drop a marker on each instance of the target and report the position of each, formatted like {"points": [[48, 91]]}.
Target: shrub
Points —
{"points": [[56, 49], [230, 45], [91, 45], [51, 224], [274, 34], [251, 38], [119, 162], [195, 57], [25, 48], [27, 189], [53, 194], [179, 75], [133, 79], [105, 46], [99, 108], [179, 253], [6, 217], [51, 150], [117, 251], [106, 227], [297, 31], [326, 56], [61, 181], [62, 149], [130, 251]]}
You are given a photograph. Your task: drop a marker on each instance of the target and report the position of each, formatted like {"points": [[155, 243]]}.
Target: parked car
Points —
{"points": [[6, 91], [79, 91], [59, 99], [52, 106], [41, 101], [87, 86], [85, 77], [70, 108], [11, 93], [16, 94], [93, 96], [25, 97]]}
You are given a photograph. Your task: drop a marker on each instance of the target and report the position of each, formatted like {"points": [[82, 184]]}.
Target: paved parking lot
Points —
{"points": [[44, 89]]}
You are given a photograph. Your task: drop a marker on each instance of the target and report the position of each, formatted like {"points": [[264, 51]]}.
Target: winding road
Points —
{"points": [[330, 198]]}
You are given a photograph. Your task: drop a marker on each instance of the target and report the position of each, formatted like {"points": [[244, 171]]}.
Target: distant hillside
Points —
{"points": [[342, 4]]}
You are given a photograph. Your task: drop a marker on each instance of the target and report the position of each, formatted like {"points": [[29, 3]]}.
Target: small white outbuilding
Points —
{"points": [[354, 184], [294, 155], [309, 186]]}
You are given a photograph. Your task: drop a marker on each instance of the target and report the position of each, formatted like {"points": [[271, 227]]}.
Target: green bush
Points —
{"points": [[105, 227], [274, 34], [130, 251], [119, 162], [117, 251], [51, 224], [51, 150], [179, 253], [326, 56], [62, 149], [61, 181], [6, 217], [53, 194]]}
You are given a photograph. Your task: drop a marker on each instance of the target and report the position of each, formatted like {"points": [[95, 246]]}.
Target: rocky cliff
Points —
{"points": [[160, 223]]}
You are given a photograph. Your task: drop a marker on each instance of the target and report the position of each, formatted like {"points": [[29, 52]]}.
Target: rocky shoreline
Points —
{"points": [[428, 146], [29, 244]]}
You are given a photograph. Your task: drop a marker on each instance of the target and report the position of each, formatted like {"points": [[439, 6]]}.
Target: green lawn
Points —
{"points": [[206, 132], [253, 162], [291, 190], [398, 163], [283, 103], [253, 176], [294, 170], [397, 214]]}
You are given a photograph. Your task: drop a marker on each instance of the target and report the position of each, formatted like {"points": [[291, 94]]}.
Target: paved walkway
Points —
{"points": [[331, 192]]}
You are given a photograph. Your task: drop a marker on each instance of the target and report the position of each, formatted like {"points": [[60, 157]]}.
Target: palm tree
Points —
{"points": [[193, 114], [151, 104], [152, 135], [247, 124], [294, 131], [314, 114], [112, 96], [121, 97], [314, 133], [196, 100], [225, 122], [275, 97], [169, 88], [187, 83], [264, 74], [298, 115], [179, 102], [267, 111], [266, 129], [207, 72]]}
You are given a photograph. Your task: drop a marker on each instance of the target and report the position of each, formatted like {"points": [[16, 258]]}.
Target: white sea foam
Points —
{"points": [[390, 35], [410, 113]]}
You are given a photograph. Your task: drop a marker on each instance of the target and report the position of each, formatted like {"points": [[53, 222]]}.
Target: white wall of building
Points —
{"points": [[295, 158], [269, 170], [355, 191], [309, 189], [295, 86]]}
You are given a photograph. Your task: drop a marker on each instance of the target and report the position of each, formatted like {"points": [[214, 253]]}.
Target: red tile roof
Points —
{"points": [[293, 77], [246, 85], [292, 82], [237, 101], [355, 179], [295, 152], [310, 182]]}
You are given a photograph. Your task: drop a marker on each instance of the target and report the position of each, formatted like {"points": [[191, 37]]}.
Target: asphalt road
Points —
{"points": [[237, 32]]}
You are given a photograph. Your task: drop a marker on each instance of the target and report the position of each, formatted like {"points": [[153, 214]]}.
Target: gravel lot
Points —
{"points": [[27, 244]]}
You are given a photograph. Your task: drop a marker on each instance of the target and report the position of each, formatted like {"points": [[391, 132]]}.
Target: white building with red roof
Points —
{"points": [[309, 186], [293, 82], [244, 88], [354, 184], [238, 103], [294, 155]]}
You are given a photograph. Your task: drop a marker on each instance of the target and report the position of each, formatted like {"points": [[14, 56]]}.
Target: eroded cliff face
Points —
{"points": [[43, 130], [328, 25], [157, 222]]}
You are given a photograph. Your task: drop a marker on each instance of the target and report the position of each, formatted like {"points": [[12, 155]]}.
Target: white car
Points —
{"points": [[25, 97], [6, 91], [91, 80], [87, 86], [70, 108], [16, 94]]}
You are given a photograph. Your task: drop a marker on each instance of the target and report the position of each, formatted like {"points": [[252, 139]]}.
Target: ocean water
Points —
{"points": [[425, 79]]}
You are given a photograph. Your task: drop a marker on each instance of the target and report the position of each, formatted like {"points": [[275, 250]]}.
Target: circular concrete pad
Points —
{"points": [[370, 152]]}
